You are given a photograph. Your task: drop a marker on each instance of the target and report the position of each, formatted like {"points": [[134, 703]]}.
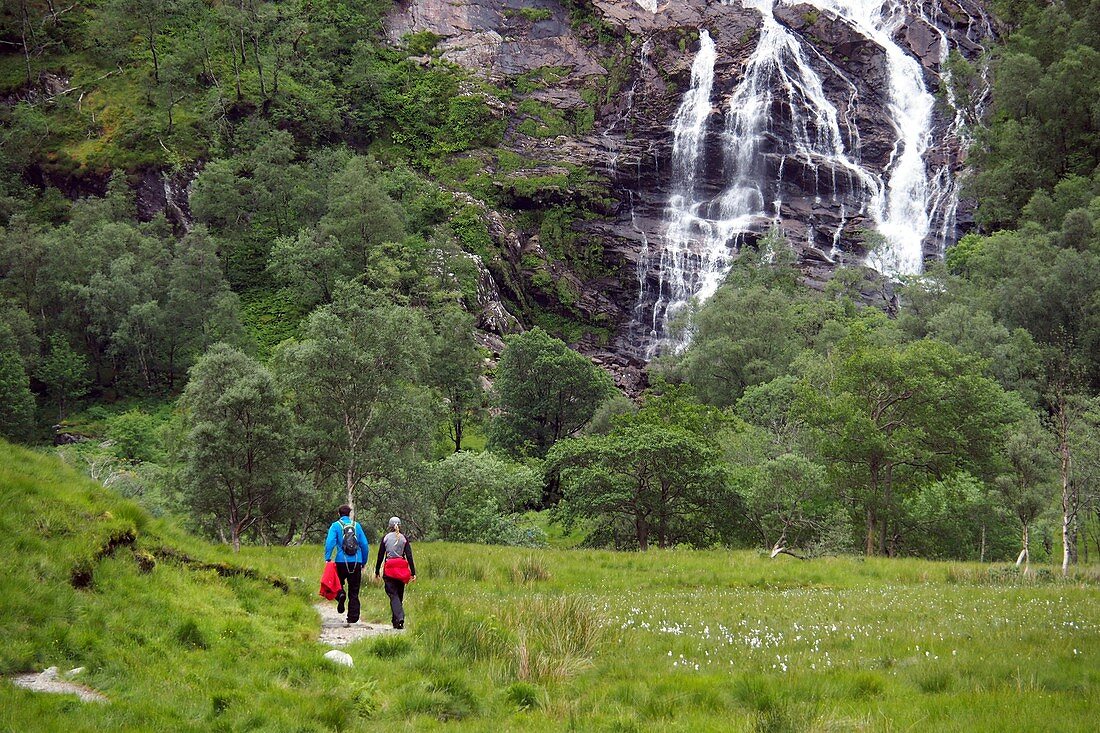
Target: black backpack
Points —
{"points": [[350, 546]]}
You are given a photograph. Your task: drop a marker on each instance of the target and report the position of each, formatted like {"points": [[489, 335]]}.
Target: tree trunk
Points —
{"points": [[235, 536], [153, 50], [1025, 555], [981, 551], [662, 520], [237, 78], [1069, 503], [349, 484], [884, 521], [259, 65], [24, 26], [780, 545], [869, 547], [641, 531], [1073, 529]]}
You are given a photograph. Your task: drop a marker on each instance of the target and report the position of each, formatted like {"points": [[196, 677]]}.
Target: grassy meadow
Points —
{"points": [[182, 635]]}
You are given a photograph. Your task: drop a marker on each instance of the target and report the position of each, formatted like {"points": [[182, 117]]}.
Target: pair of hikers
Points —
{"points": [[394, 564]]}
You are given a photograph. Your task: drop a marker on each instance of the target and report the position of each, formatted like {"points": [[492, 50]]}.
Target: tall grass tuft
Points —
{"points": [[466, 635], [556, 637], [529, 569], [932, 680], [390, 646], [775, 712], [447, 568], [190, 635], [446, 698], [525, 696]]}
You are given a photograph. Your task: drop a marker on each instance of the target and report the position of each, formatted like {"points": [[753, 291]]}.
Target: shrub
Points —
{"points": [[133, 434], [534, 15]]}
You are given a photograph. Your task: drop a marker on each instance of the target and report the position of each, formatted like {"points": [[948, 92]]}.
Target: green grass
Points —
{"points": [[515, 639]]}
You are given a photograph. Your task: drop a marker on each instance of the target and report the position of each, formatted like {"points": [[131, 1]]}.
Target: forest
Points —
{"points": [[306, 337]]}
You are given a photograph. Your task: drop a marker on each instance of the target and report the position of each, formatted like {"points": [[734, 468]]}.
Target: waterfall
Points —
{"points": [[778, 125], [679, 264]]}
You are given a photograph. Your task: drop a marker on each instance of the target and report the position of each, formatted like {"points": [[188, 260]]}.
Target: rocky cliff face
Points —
{"points": [[805, 117]]}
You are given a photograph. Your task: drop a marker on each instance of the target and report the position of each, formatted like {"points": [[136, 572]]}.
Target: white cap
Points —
{"points": [[394, 521]]}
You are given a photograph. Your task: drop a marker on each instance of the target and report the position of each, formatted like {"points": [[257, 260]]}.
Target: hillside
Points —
{"points": [[507, 639], [176, 635]]}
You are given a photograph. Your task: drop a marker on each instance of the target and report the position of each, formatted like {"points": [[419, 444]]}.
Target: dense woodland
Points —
{"points": [[308, 340]]}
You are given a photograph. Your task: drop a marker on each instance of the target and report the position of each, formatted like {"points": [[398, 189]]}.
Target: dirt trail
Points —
{"points": [[335, 632]]}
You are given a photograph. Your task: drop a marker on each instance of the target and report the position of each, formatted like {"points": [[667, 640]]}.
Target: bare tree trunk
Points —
{"points": [[153, 50], [1025, 555], [259, 65], [780, 545], [981, 552], [1069, 503], [23, 26], [869, 547], [236, 73], [884, 521], [349, 485], [1074, 530], [641, 531]]}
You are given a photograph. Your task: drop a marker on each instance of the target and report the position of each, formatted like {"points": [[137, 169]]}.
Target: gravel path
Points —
{"points": [[336, 632]]}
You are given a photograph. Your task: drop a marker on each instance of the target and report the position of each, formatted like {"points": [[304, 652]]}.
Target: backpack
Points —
{"points": [[350, 545]]}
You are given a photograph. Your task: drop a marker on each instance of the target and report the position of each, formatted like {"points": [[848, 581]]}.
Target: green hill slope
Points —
{"points": [[173, 632]]}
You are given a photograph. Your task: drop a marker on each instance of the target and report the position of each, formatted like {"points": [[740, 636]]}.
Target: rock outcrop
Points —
{"points": [[616, 72]]}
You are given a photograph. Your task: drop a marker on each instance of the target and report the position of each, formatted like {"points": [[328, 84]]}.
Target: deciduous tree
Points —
{"points": [[546, 392], [354, 381], [236, 453]]}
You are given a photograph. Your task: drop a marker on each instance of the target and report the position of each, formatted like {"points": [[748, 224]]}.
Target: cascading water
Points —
{"points": [[679, 260], [778, 126]]}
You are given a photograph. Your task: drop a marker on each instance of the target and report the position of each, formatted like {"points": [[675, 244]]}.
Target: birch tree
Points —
{"points": [[354, 383], [1025, 487]]}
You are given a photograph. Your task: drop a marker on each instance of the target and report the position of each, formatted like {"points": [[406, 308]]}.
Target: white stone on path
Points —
{"points": [[338, 657]]}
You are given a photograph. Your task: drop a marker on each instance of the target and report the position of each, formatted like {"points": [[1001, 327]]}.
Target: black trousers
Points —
{"points": [[351, 577], [395, 589]]}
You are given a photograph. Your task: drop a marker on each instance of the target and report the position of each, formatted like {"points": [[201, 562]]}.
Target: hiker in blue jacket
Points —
{"points": [[344, 533]]}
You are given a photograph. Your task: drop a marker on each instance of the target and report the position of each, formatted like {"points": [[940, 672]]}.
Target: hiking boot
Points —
{"points": [[340, 601]]}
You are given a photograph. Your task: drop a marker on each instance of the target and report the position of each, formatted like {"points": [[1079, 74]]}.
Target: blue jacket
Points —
{"points": [[335, 541]]}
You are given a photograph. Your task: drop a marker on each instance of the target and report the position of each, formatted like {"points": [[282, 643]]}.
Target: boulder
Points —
{"points": [[338, 657]]}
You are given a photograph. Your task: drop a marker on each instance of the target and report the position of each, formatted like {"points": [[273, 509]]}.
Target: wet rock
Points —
{"points": [[159, 191]]}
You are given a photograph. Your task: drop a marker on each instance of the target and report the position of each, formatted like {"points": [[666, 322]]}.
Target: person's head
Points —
{"points": [[344, 510], [395, 524]]}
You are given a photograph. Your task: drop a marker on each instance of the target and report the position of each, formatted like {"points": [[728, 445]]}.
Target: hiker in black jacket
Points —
{"points": [[395, 551]]}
